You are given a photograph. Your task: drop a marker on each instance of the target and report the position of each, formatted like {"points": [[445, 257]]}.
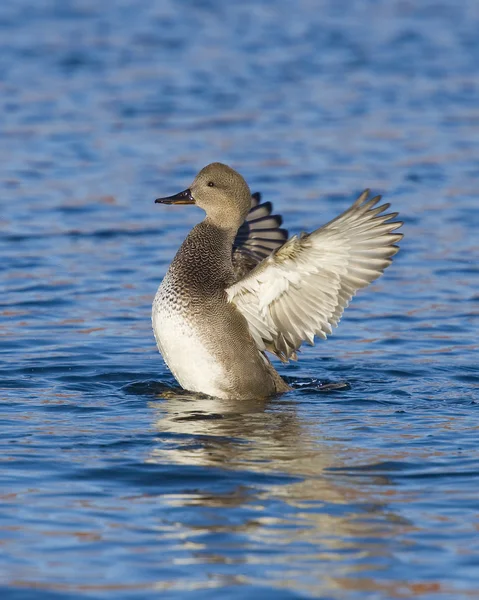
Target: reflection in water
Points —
{"points": [[329, 526]]}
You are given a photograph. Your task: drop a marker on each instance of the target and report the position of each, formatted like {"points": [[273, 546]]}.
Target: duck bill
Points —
{"points": [[183, 197]]}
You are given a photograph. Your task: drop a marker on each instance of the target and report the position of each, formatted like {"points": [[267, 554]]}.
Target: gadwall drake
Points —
{"points": [[238, 287]]}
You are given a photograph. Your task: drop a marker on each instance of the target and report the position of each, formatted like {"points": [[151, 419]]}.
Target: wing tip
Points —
{"points": [[256, 198]]}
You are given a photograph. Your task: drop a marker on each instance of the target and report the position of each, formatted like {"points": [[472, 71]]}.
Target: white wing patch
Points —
{"points": [[301, 290]]}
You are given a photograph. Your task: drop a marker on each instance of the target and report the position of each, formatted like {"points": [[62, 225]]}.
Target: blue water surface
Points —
{"points": [[114, 483]]}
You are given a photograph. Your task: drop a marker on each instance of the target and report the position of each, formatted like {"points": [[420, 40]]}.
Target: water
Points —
{"points": [[115, 483]]}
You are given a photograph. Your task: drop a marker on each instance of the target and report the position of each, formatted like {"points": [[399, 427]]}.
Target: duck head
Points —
{"points": [[221, 192]]}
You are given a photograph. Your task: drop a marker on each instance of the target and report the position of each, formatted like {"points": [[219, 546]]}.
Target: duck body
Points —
{"points": [[204, 339], [238, 287]]}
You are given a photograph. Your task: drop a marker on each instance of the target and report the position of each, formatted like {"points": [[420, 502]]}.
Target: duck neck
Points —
{"points": [[227, 234], [204, 258]]}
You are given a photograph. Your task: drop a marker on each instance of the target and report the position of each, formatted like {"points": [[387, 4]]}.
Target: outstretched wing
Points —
{"points": [[301, 290], [259, 235]]}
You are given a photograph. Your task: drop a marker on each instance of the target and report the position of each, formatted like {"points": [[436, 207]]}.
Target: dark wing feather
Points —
{"points": [[259, 235]]}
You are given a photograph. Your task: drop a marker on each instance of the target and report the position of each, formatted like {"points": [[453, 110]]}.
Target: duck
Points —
{"points": [[239, 288]]}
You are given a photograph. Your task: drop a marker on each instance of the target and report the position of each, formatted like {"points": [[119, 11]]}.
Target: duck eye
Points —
{"points": [[211, 184]]}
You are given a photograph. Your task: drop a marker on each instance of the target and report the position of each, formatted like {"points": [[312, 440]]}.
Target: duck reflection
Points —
{"points": [[255, 434], [304, 524], [316, 506]]}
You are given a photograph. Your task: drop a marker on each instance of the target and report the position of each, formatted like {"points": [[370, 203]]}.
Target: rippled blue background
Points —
{"points": [[114, 483]]}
